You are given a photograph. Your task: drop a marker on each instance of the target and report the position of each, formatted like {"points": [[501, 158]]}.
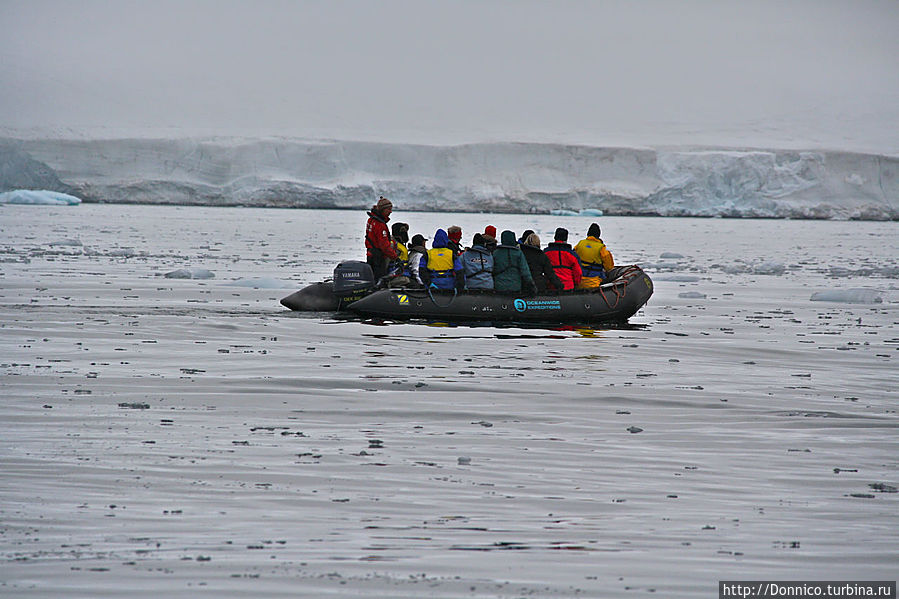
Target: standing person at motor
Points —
{"points": [[511, 273], [565, 262], [477, 262], [596, 259], [379, 248], [416, 252], [541, 268], [455, 239], [442, 268]]}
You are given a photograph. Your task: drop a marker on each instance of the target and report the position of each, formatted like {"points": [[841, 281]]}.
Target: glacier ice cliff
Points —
{"points": [[487, 177]]}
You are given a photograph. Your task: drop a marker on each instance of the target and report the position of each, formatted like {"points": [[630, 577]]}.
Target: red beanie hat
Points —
{"points": [[491, 231]]}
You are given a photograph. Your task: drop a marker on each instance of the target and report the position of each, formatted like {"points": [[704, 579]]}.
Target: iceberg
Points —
{"points": [[38, 197]]}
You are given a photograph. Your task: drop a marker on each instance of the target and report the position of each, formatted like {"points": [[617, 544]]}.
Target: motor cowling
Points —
{"points": [[353, 279]]}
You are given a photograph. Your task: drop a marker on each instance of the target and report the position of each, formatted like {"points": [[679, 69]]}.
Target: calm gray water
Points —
{"points": [[172, 436]]}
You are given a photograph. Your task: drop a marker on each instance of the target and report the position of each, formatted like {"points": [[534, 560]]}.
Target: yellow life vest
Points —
{"points": [[440, 260], [402, 252]]}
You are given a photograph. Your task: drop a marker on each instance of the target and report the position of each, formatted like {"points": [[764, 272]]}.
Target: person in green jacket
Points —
{"points": [[511, 273]]}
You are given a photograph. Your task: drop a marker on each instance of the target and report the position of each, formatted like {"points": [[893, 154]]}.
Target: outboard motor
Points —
{"points": [[353, 280]]}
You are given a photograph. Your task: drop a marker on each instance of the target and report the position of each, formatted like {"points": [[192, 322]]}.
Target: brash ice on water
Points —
{"points": [[181, 436]]}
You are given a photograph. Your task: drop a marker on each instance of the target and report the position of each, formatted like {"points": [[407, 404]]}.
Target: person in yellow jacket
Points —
{"points": [[401, 238], [397, 267], [441, 268], [596, 259]]}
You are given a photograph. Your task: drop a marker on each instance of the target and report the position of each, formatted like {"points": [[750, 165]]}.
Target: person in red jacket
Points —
{"points": [[379, 246], [565, 262]]}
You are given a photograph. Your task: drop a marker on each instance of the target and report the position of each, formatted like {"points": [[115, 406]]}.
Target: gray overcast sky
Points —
{"points": [[630, 71]]}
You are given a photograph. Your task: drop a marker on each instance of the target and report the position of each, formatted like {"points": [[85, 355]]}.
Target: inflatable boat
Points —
{"points": [[614, 301], [352, 281]]}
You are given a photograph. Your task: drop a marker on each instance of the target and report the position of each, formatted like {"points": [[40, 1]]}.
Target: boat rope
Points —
{"points": [[447, 305], [618, 296], [617, 285]]}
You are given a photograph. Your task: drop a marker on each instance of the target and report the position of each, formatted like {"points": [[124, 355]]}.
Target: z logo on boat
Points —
{"points": [[403, 299]]}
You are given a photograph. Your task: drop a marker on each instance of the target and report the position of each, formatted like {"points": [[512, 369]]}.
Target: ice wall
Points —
{"points": [[501, 177]]}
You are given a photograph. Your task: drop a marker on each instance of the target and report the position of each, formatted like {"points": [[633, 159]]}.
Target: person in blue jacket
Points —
{"points": [[477, 262], [441, 266]]}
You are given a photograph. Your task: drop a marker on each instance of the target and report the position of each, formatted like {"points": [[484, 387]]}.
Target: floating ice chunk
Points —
{"points": [[769, 268], [122, 253], [262, 283], [691, 295], [68, 242], [583, 212], [857, 295], [38, 197], [889, 272], [676, 278], [661, 265], [671, 256], [190, 273], [735, 269]]}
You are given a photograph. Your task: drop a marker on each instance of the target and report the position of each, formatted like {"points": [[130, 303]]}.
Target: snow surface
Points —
{"points": [[487, 177], [38, 197]]}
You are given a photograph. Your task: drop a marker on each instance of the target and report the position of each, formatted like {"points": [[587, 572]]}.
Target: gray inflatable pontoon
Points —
{"points": [[615, 301]]}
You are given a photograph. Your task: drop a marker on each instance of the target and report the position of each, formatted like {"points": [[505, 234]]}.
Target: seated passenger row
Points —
{"points": [[514, 265]]}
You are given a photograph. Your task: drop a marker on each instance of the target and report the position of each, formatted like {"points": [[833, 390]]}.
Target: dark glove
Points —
{"points": [[460, 280]]}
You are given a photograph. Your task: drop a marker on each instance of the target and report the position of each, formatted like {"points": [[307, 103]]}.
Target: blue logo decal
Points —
{"points": [[520, 305]]}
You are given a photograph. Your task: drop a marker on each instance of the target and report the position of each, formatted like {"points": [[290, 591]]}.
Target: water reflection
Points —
{"points": [[554, 329]]}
